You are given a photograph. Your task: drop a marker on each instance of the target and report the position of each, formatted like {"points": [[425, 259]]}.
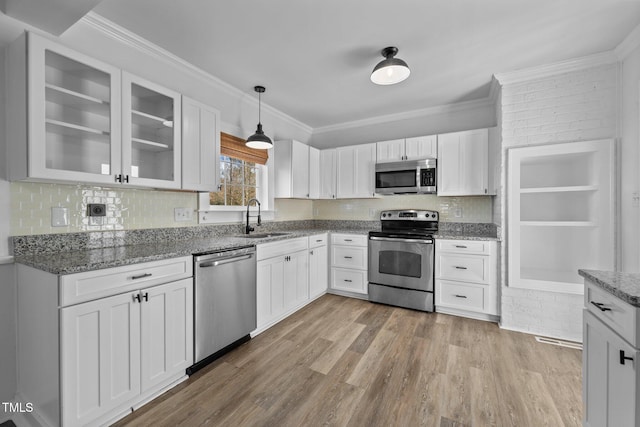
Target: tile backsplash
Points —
{"points": [[127, 208], [451, 209], [131, 209]]}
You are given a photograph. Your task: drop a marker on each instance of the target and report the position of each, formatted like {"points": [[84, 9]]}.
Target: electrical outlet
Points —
{"points": [[372, 213], [457, 212], [635, 199], [96, 209], [182, 214]]}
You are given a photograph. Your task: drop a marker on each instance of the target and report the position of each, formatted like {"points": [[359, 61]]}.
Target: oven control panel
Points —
{"points": [[409, 215]]}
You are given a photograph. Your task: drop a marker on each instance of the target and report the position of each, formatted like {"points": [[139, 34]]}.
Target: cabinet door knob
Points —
{"points": [[136, 298], [145, 296], [623, 358]]}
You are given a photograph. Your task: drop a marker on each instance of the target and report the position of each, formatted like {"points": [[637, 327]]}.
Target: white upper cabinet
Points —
{"points": [[421, 147], [390, 151], [200, 146], [291, 160], [397, 150], [463, 164], [65, 108], [328, 174], [355, 171], [151, 136], [85, 121], [314, 173]]}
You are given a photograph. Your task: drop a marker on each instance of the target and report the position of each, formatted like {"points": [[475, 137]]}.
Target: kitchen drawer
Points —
{"points": [[461, 296], [618, 315], [467, 268], [318, 240], [349, 257], [349, 280], [465, 246], [90, 285], [349, 239], [281, 247]]}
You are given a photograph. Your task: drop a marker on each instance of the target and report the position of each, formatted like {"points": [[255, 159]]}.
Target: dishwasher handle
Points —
{"points": [[224, 261]]}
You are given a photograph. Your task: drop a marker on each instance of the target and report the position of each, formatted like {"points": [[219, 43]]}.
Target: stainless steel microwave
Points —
{"points": [[408, 177]]}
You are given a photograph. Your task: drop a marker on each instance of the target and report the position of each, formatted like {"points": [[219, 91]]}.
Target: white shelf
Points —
{"points": [[146, 119], [150, 145], [569, 189], [71, 129], [69, 95], [558, 224]]}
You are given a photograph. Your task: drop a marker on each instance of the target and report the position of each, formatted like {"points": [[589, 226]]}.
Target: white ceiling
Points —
{"points": [[315, 56]]}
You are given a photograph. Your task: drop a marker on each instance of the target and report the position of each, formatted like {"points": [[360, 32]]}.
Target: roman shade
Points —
{"points": [[233, 146]]}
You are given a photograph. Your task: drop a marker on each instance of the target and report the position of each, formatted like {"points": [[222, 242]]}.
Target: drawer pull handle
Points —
{"points": [[348, 257], [600, 306], [142, 276], [460, 267], [348, 280], [348, 240], [461, 246], [460, 296], [319, 241], [623, 357]]}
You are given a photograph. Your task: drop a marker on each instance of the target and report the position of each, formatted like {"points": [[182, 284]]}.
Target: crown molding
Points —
{"points": [[576, 64], [126, 37], [413, 114], [629, 44]]}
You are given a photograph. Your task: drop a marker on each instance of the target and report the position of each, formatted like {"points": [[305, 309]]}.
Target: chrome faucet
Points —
{"points": [[248, 229]]}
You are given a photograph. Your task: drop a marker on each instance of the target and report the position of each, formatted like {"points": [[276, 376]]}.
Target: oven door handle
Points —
{"points": [[393, 239]]}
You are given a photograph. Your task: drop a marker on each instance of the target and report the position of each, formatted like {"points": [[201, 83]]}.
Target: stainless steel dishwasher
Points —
{"points": [[224, 303]]}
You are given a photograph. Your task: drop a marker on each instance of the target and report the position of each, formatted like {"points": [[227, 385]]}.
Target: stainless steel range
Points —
{"points": [[401, 259]]}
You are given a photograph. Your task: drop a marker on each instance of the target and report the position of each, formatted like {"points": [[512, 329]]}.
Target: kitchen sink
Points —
{"points": [[262, 235]]}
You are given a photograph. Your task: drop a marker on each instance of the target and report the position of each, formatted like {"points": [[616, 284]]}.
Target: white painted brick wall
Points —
{"points": [[576, 106]]}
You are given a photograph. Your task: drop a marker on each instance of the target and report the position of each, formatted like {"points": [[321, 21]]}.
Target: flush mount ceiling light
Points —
{"points": [[390, 70], [259, 140]]}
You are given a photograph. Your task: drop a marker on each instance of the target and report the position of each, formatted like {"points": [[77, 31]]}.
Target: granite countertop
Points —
{"points": [[77, 261], [69, 262], [464, 236], [625, 286]]}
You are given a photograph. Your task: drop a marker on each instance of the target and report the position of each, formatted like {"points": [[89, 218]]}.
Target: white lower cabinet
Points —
{"points": [[282, 280], [349, 264], [466, 278], [610, 374], [318, 265], [108, 355]]}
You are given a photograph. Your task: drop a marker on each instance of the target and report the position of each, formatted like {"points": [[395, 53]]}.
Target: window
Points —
{"points": [[238, 182], [243, 175]]}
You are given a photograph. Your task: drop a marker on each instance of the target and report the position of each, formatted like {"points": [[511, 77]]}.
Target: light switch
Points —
{"points": [[59, 217]]}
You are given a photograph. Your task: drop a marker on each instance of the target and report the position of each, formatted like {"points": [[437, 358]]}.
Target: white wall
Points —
{"points": [[629, 159], [7, 273], [432, 121], [573, 106]]}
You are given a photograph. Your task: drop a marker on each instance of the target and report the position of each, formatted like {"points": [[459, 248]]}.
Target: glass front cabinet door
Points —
{"points": [[85, 121], [72, 123], [151, 136]]}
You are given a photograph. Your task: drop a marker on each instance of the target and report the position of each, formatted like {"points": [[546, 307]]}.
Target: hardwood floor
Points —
{"points": [[346, 362]]}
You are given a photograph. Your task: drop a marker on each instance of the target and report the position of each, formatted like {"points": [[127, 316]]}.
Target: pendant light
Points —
{"points": [[259, 140], [390, 70]]}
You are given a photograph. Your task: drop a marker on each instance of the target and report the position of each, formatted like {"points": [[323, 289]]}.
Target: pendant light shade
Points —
{"points": [[259, 140], [390, 70]]}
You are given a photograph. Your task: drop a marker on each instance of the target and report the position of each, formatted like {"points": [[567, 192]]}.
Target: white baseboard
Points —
{"points": [[540, 333]]}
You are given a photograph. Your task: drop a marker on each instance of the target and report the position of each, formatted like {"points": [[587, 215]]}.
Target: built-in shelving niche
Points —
{"points": [[560, 214]]}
